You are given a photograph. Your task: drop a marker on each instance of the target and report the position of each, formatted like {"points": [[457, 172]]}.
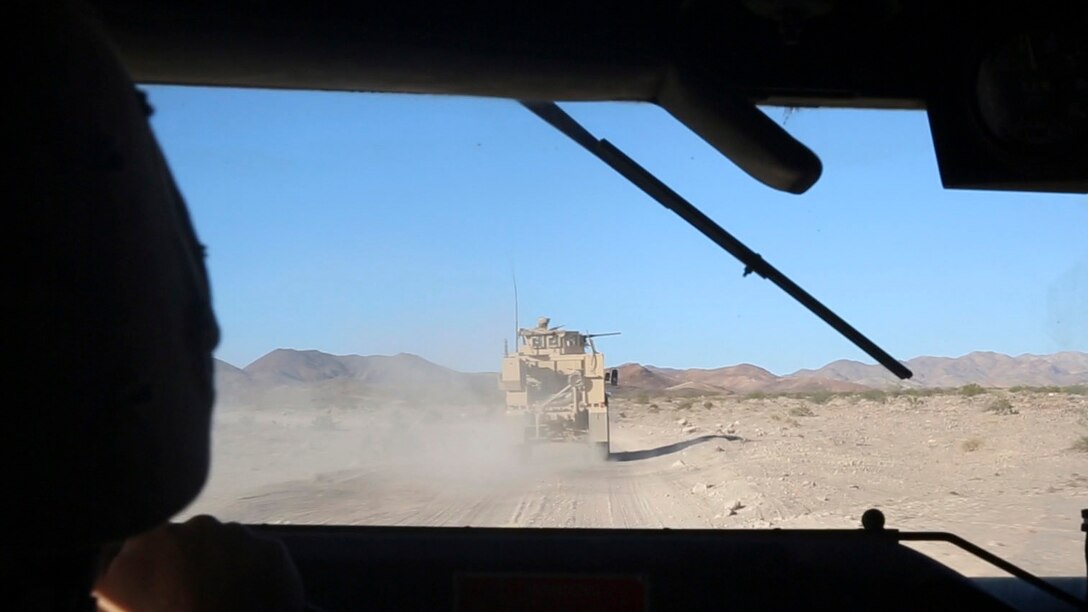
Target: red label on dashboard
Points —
{"points": [[531, 592]]}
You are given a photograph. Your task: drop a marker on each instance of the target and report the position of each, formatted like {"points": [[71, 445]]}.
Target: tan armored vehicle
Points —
{"points": [[558, 386]]}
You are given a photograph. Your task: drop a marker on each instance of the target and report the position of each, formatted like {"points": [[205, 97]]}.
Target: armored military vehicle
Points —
{"points": [[555, 381]]}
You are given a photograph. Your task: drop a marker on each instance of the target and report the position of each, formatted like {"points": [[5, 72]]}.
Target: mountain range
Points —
{"points": [[288, 377], [291, 377], [983, 368]]}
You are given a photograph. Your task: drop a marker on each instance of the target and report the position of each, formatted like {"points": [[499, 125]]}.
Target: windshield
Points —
{"points": [[409, 288]]}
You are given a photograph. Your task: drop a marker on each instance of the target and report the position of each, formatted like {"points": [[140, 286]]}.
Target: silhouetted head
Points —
{"points": [[110, 390]]}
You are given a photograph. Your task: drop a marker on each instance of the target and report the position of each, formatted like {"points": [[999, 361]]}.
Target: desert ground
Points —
{"points": [[1006, 470]]}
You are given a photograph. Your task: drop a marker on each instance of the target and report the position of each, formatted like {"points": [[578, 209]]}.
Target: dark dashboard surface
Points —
{"points": [[407, 568]]}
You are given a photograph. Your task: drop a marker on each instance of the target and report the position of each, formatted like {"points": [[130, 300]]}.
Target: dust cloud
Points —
{"points": [[274, 464], [936, 461]]}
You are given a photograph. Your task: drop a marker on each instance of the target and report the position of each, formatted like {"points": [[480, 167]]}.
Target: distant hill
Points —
{"points": [[232, 384], [984, 368], [738, 379], [288, 377], [808, 384], [640, 377], [743, 378], [294, 378], [286, 366], [854, 372]]}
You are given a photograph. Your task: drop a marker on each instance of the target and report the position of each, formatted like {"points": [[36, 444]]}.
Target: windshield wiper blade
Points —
{"points": [[753, 262]]}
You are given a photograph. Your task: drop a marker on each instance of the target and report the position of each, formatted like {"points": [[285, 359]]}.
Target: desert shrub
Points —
{"points": [[971, 445], [1070, 390], [1080, 444], [874, 395], [801, 411], [971, 390], [684, 405], [919, 392], [754, 395], [708, 404], [819, 397], [642, 398], [1001, 406], [653, 408], [792, 422]]}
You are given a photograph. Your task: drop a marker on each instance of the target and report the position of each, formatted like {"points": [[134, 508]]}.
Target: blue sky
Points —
{"points": [[377, 224]]}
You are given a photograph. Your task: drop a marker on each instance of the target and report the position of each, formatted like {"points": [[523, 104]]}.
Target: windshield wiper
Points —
{"points": [[653, 187]]}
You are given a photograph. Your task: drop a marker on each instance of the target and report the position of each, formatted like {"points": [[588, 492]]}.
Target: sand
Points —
{"points": [[1008, 482]]}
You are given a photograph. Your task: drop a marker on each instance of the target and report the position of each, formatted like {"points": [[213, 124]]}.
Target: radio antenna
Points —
{"points": [[517, 318]]}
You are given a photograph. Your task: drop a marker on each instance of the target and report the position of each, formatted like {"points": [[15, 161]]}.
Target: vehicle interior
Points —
{"points": [[120, 297]]}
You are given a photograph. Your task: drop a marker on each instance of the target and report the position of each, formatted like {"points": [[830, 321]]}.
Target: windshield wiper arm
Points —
{"points": [[653, 187]]}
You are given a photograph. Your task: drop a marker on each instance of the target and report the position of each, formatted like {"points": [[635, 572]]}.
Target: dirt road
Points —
{"points": [[558, 486], [1009, 483]]}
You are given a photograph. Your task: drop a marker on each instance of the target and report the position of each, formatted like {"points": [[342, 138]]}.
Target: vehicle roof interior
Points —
{"points": [[707, 63]]}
